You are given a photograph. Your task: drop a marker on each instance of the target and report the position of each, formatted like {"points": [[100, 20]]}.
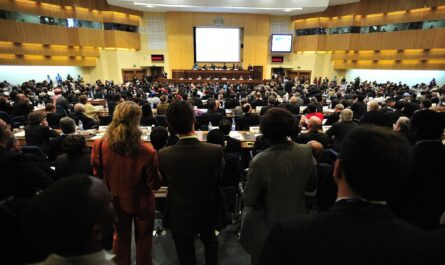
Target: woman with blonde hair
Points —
{"points": [[130, 170]]}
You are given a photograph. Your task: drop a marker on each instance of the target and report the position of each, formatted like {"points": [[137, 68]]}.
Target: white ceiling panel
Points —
{"points": [[273, 7]]}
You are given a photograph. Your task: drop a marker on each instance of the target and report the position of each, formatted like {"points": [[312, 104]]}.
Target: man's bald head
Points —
{"points": [[314, 123]]}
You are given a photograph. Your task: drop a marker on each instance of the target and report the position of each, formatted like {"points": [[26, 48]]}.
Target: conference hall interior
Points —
{"points": [[229, 132]]}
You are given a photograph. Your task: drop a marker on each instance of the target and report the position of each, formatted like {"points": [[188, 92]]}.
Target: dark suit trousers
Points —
{"points": [[185, 246], [143, 229]]}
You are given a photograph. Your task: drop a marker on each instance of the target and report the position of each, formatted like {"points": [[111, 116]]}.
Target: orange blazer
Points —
{"points": [[131, 180]]}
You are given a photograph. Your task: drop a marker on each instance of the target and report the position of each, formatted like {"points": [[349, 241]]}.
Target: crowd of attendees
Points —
{"points": [[342, 171]]}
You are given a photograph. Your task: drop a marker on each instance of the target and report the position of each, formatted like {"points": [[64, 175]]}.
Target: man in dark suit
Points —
{"points": [[22, 106], [249, 119], [20, 177], [421, 199], [360, 228], [232, 145], [38, 132], [334, 117], [271, 101], [314, 134], [340, 129], [192, 169], [68, 126], [79, 115], [212, 115]]}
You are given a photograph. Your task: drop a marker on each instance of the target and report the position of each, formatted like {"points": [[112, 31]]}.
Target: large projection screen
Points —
{"points": [[217, 44]]}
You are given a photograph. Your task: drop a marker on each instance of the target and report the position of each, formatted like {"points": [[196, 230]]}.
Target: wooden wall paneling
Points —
{"points": [[391, 65], [410, 54], [58, 10], [374, 19], [262, 39], [46, 50], [42, 60], [372, 7], [409, 39]]}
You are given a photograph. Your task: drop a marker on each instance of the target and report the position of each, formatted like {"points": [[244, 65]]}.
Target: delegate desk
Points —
{"points": [[230, 81], [247, 139], [229, 74]]}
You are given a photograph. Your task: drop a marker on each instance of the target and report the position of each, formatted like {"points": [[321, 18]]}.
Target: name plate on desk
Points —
{"points": [[254, 129]]}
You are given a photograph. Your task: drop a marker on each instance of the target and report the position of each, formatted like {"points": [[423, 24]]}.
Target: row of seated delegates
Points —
{"points": [[21, 179], [214, 67]]}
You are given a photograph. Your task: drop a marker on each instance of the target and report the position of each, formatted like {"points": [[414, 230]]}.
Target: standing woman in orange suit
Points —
{"points": [[130, 170]]}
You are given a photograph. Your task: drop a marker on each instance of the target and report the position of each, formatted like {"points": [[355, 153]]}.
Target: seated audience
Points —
{"points": [[402, 127], [421, 200], [79, 115], [276, 182], [248, 119], [22, 106], [340, 129], [71, 222], [68, 126], [20, 177], [232, 171], [232, 145], [359, 107], [148, 118], [334, 117], [37, 132], [326, 190], [161, 108], [51, 116], [159, 137], [311, 111], [271, 102], [360, 228], [373, 116], [293, 106], [314, 127], [76, 158], [90, 111], [212, 115]]}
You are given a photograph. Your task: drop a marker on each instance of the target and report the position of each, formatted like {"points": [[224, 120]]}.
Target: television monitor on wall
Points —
{"points": [[217, 44], [281, 43]]}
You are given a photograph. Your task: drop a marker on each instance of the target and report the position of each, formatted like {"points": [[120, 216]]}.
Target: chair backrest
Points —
{"points": [[32, 149], [5, 117]]}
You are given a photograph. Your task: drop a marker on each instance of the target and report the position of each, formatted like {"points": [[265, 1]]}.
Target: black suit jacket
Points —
{"points": [[39, 135], [66, 165], [339, 130], [22, 108], [421, 199], [20, 177], [353, 232], [333, 118], [192, 169], [249, 119], [322, 138], [232, 145]]}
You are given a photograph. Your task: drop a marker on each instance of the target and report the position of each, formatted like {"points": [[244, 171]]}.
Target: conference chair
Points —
{"points": [[162, 120]]}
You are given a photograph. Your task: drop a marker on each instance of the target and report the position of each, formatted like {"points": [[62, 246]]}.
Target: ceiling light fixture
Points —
{"points": [[151, 5]]}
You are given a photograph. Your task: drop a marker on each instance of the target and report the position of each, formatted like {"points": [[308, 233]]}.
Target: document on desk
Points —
{"points": [[236, 135], [97, 136]]}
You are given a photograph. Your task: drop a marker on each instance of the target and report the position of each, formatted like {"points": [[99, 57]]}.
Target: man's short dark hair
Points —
{"points": [[159, 137], [67, 125], [211, 104], [49, 107], [426, 103], [375, 160], [311, 108], [36, 117], [277, 124], [225, 126], [426, 125], [215, 136], [180, 117], [61, 218], [74, 144]]}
